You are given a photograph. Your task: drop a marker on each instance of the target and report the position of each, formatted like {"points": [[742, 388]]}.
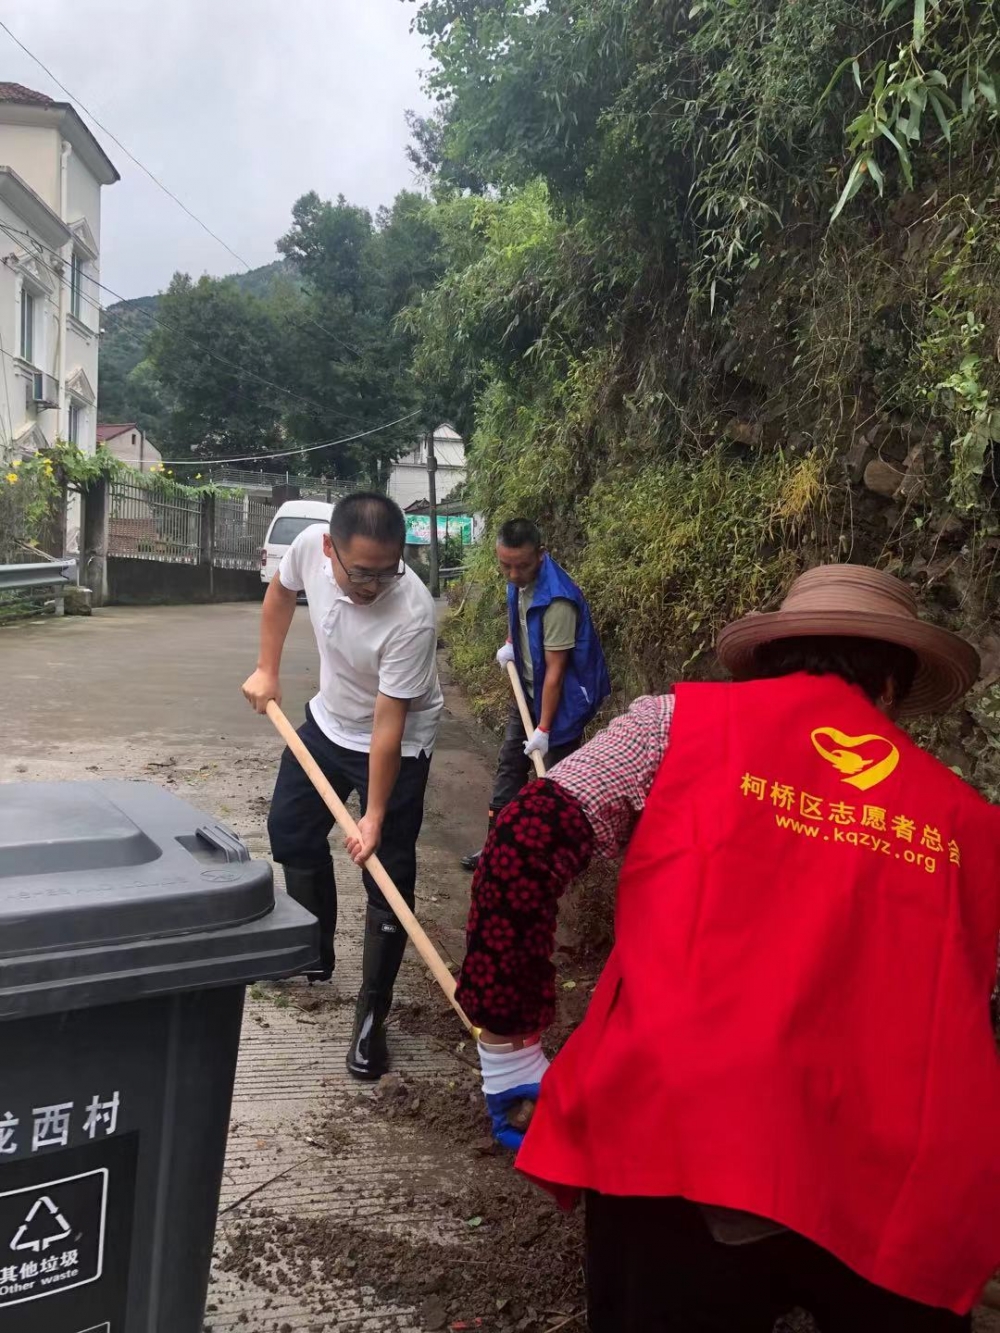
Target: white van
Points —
{"points": [[293, 517]]}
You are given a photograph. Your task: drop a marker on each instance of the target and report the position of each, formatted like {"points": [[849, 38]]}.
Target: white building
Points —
{"points": [[128, 442], [52, 170], [408, 478]]}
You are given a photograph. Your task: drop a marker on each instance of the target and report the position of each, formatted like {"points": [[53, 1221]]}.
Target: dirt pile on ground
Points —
{"points": [[430, 1017], [515, 1262], [507, 1259], [587, 914], [298, 994], [515, 1265], [453, 1112]]}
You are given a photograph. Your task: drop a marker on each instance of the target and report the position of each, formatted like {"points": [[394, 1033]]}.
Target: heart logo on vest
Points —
{"points": [[863, 771]]}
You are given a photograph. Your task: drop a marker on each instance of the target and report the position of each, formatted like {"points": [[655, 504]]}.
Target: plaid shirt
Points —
{"points": [[612, 776]]}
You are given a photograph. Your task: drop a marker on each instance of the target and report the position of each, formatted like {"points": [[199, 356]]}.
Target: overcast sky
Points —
{"points": [[239, 106]]}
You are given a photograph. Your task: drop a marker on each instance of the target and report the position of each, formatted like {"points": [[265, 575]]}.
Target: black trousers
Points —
{"points": [[514, 767], [299, 824], [654, 1267]]}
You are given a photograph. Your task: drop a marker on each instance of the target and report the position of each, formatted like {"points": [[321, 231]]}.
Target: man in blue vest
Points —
{"points": [[553, 643]]}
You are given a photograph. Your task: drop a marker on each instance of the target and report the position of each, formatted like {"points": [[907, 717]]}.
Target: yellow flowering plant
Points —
{"points": [[31, 488]]}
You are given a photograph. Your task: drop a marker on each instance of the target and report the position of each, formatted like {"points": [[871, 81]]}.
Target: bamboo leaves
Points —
{"points": [[942, 68]]}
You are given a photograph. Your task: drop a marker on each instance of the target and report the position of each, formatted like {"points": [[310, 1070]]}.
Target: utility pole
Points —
{"points": [[435, 562]]}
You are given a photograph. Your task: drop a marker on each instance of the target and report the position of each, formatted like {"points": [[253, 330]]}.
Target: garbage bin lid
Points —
{"points": [[84, 864]]}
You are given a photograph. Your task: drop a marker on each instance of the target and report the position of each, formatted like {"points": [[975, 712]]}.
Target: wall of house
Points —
{"points": [[450, 453], [81, 354], [408, 477], [84, 195], [133, 448], [16, 413], [82, 335], [33, 152], [408, 484], [449, 450]]}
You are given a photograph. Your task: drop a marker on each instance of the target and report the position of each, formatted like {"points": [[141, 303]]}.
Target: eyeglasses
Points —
{"points": [[359, 577]]}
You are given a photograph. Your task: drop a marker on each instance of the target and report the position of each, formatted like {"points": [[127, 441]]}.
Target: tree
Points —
{"points": [[124, 392], [725, 252], [344, 339], [216, 352]]}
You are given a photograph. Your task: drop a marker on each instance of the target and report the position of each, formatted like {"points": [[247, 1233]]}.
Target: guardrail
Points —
{"points": [[53, 574], [453, 572]]}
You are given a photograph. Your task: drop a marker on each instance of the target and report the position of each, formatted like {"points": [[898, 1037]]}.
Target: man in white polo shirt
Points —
{"points": [[371, 728]]}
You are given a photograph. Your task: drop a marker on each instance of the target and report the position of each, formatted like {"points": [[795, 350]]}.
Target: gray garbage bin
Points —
{"points": [[130, 925]]}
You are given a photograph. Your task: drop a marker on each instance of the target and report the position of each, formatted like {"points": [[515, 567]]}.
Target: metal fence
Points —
{"points": [[150, 520], [240, 527]]}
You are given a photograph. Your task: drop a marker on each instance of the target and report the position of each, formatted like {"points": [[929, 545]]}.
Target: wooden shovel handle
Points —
{"points": [[526, 718], [373, 865]]}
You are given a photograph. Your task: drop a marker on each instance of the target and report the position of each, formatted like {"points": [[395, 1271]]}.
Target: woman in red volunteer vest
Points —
{"points": [[786, 1091]]}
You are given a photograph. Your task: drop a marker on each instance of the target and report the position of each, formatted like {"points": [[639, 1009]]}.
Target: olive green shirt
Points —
{"points": [[558, 630]]}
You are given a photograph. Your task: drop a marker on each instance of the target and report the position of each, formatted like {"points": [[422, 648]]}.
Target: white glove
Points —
{"points": [[539, 743], [505, 655], [504, 1071]]}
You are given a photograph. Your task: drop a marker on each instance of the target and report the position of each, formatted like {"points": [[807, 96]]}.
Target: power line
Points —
{"points": [[288, 453], [15, 232], [156, 181], [131, 156], [60, 275], [330, 334], [262, 458], [325, 411]]}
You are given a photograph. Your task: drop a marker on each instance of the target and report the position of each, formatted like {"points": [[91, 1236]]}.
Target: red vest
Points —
{"points": [[795, 1018]]}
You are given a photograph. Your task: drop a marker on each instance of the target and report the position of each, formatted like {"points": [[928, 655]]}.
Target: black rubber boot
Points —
{"points": [[471, 861], [315, 889], [385, 944]]}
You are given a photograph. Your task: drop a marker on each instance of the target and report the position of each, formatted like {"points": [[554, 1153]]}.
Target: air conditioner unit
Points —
{"points": [[44, 390]]}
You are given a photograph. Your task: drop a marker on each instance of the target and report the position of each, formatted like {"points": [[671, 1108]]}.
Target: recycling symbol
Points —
{"points": [[44, 1226]]}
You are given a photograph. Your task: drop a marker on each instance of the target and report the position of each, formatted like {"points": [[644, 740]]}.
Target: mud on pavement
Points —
{"points": [[508, 1260]]}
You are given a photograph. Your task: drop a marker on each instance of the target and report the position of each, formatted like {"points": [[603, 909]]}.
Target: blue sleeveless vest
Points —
{"points": [[586, 684]]}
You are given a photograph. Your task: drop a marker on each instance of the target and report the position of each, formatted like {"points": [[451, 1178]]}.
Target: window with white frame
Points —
{"points": [[75, 421], [76, 285], [27, 325]]}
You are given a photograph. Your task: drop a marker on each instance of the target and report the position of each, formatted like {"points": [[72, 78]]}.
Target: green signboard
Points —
{"points": [[418, 529]]}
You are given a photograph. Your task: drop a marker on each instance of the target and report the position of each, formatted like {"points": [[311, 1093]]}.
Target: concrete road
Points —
{"points": [[154, 695]]}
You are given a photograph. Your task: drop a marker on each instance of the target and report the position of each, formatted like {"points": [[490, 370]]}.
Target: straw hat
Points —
{"points": [[863, 603]]}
